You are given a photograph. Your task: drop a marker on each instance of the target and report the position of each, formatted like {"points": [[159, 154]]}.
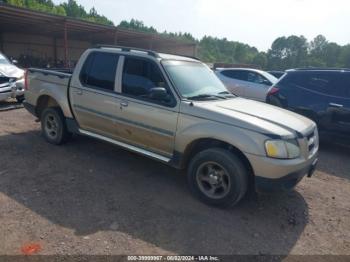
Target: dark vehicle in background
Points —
{"points": [[276, 74], [322, 95]]}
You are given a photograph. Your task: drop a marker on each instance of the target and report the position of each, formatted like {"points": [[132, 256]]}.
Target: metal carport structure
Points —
{"points": [[53, 37]]}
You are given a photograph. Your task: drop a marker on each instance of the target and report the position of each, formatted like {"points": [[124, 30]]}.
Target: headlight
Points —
{"points": [[21, 77], [282, 149]]}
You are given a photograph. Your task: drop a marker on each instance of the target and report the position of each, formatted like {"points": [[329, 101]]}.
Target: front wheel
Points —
{"points": [[218, 177], [53, 126]]}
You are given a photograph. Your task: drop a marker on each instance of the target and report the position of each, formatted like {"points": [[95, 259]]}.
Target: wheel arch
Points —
{"points": [[43, 102], [205, 143]]}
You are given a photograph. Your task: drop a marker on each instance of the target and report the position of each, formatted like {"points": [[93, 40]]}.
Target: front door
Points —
{"points": [[146, 121]]}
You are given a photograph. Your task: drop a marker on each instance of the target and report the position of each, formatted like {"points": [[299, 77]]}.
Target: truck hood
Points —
{"points": [[255, 116], [11, 71]]}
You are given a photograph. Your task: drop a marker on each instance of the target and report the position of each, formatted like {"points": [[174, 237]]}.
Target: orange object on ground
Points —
{"points": [[30, 249]]}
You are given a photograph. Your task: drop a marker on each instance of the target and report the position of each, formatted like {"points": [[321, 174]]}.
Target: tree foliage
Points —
{"points": [[296, 51], [137, 25], [285, 52], [69, 8]]}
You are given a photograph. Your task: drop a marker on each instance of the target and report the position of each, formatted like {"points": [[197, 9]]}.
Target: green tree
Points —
{"points": [[286, 52], [331, 56], [74, 10], [137, 25], [19, 3], [344, 56], [260, 59], [69, 8], [318, 45]]}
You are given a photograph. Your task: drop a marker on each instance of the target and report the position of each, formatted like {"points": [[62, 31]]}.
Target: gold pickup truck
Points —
{"points": [[175, 110]]}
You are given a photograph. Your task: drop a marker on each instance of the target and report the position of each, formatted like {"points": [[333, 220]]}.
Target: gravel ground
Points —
{"points": [[89, 197]]}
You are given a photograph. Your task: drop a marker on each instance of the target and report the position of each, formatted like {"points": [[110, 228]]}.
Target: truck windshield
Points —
{"points": [[195, 80]]}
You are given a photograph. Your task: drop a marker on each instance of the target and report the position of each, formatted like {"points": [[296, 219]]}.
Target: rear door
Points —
{"points": [[145, 122], [235, 81], [339, 104], [257, 88], [92, 93]]}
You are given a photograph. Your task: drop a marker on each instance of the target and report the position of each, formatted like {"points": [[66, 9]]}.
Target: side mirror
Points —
{"points": [[158, 93], [14, 62]]}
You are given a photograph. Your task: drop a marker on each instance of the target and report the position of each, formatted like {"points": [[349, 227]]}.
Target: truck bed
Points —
{"points": [[58, 76], [53, 83]]}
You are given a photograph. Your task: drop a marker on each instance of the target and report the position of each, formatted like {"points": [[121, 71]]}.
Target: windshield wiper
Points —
{"points": [[226, 93], [203, 96]]}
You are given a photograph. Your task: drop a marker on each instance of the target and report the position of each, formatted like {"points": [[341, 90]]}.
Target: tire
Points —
{"points": [[20, 99], [218, 189], [53, 126]]}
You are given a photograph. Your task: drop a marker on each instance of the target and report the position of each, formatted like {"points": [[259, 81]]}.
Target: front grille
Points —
{"points": [[4, 79], [311, 141]]}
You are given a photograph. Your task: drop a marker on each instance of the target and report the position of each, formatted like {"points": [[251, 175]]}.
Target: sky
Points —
{"points": [[254, 22]]}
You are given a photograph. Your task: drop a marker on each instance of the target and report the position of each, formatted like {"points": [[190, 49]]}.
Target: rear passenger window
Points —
{"points": [[139, 76], [240, 75], [314, 81], [328, 83], [99, 70], [255, 78]]}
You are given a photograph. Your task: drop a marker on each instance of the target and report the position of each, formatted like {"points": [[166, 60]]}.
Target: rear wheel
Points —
{"points": [[53, 126], [218, 177]]}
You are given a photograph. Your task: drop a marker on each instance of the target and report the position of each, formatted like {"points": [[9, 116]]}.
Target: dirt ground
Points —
{"points": [[89, 197]]}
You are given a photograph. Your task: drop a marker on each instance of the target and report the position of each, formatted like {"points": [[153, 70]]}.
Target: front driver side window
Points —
{"points": [[140, 76]]}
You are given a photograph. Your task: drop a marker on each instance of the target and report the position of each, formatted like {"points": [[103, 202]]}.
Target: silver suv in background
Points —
{"points": [[246, 82]]}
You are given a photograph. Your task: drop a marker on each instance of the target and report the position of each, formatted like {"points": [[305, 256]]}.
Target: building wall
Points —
{"points": [[40, 47]]}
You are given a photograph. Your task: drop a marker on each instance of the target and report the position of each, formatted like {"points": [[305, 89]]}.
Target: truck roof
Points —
{"points": [[149, 52], [332, 69]]}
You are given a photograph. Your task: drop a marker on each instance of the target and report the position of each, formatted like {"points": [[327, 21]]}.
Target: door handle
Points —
{"points": [[335, 105], [124, 103], [79, 92]]}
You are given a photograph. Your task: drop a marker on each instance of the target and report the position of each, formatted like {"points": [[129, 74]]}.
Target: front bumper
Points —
{"points": [[273, 174], [6, 95], [7, 91], [12, 90], [285, 183], [19, 90]]}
